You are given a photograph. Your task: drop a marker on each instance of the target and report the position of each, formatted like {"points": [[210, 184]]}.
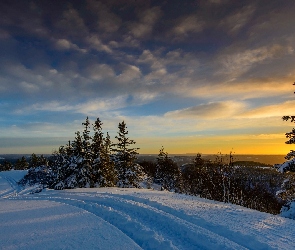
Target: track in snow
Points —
{"points": [[149, 224]]}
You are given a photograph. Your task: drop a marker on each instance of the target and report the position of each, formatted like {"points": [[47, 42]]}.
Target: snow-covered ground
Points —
{"points": [[116, 218]]}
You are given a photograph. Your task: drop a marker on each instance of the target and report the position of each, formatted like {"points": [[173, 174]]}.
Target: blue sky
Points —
{"points": [[194, 76]]}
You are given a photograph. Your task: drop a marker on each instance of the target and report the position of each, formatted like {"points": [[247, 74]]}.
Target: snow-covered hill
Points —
{"points": [[115, 218]]}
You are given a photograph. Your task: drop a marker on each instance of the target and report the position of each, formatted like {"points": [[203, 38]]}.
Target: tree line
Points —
{"points": [[93, 160]]}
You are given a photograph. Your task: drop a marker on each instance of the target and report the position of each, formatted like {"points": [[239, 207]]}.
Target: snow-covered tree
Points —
{"points": [[103, 166], [77, 145], [86, 142], [97, 144], [60, 167], [290, 164], [72, 167], [107, 167], [85, 174], [129, 172], [291, 140], [168, 173], [77, 161], [287, 192]]}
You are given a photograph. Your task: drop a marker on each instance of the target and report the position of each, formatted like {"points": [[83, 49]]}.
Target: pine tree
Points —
{"points": [[77, 145], [291, 140], [21, 164], [72, 166], [71, 160], [33, 161], [108, 175], [86, 144], [85, 175], [37, 161], [6, 166], [97, 144], [288, 187], [129, 173], [60, 167], [103, 166], [168, 173]]}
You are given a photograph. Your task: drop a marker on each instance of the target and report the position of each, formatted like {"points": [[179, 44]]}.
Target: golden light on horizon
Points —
{"points": [[240, 144]]}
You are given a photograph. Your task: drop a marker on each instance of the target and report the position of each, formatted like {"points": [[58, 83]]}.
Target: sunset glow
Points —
{"points": [[202, 76]]}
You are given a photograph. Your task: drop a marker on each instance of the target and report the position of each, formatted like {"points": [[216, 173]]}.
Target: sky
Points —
{"points": [[202, 76]]}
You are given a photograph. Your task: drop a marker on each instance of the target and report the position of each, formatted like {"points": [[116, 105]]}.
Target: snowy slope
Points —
{"points": [[112, 218]]}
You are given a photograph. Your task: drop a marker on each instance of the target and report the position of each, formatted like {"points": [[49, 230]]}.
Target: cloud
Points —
{"points": [[242, 90], [86, 108], [147, 20], [275, 110], [173, 64], [213, 110], [186, 25], [148, 57], [236, 21], [236, 62], [71, 23], [95, 43], [24, 16], [130, 41], [41, 79], [188, 75], [107, 20], [64, 44], [18, 76], [29, 87], [95, 107], [35, 129], [270, 23], [100, 72], [91, 107], [129, 74]]}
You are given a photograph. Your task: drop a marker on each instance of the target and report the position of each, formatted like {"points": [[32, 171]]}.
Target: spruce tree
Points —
{"points": [[86, 143], [21, 164], [168, 173], [76, 146], [6, 166], [34, 161], [60, 167], [103, 166], [288, 187], [129, 173], [108, 174], [291, 140], [85, 175], [37, 161], [73, 168], [97, 144]]}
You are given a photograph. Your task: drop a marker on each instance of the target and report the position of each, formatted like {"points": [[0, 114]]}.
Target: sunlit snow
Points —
{"points": [[117, 218]]}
